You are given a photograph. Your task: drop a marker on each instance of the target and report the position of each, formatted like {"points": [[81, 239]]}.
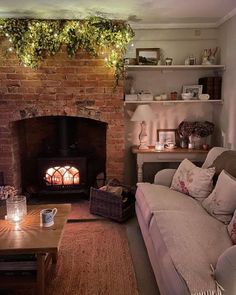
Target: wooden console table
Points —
{"points": [[167, 155]]}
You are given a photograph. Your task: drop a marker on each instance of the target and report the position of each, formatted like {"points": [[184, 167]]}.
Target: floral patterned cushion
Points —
{"points": [[221, 203], [192, 180], [232, 228]]}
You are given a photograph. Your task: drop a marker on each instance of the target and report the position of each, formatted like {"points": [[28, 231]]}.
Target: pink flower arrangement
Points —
{"points": [[198, 129], [7, 191]]}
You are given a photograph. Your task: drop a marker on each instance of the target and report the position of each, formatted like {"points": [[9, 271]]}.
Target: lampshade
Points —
{"points": [[143, 112]]}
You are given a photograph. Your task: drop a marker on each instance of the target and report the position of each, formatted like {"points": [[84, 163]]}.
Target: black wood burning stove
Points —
{"points": [[62, 173]]}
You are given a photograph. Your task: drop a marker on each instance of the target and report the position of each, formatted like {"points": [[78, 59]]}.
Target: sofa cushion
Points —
{"points": [[192, 180], [194, 241], [221, 203], [226, 161], [152, 197]]}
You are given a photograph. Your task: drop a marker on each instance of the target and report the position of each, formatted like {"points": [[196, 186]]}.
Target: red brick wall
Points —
{"points": [[81, 86]]}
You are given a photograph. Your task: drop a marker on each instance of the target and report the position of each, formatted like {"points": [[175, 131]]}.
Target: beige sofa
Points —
{"points": [[180, 257]]}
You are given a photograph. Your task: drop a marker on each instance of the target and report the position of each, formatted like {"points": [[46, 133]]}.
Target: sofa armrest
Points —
{"points": [[164, 177], [225, 270]]}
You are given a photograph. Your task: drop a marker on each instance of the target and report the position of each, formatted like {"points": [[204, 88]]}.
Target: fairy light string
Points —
{"points": [[33, 40]]}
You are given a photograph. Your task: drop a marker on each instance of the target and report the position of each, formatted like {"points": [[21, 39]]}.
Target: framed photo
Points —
{"points": [[167, 135], [194, 89], [147, 56]]}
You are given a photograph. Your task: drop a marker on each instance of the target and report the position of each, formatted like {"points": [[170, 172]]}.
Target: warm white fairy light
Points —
{"points": [[26, 40]]}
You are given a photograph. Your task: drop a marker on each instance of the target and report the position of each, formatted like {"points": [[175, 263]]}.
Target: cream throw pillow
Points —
{"points": [[192, 180], [222, 201]]}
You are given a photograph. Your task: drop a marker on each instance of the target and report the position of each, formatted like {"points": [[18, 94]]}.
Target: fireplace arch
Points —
{"points": [[65, 144]]}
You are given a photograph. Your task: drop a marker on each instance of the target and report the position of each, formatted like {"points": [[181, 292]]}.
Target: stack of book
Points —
{"points": [[211, 86]]}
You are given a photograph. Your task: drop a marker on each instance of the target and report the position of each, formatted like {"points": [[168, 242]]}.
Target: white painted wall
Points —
{"points": [[227, 122], [175, 43], [178, 44]]}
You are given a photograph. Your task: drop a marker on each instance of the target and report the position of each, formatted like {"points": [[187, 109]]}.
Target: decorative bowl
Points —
{"points": [[204, 96], [187, 95]]}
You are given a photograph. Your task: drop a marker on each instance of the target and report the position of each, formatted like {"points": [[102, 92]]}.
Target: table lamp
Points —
{"points": [[142, 114]]}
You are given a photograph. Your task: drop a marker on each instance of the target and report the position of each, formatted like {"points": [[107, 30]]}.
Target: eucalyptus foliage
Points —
{"points": [[33, 40]]}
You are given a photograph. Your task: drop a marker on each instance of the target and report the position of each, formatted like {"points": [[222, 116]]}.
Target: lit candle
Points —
{"points": [[16, 208], [159, 146], [16, 216]]}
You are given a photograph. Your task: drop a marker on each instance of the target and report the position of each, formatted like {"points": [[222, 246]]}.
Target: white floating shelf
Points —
{"points": [[175, 67], [169, 102]]}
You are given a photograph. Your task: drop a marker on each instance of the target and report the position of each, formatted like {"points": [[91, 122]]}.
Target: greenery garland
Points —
{"points": [[33, 40]]}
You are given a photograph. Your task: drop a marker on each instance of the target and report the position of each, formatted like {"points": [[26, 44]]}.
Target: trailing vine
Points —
{"points": [[33, 40]]}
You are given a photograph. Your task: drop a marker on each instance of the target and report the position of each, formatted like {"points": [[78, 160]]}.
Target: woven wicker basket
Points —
{"points": [[108, 205]]}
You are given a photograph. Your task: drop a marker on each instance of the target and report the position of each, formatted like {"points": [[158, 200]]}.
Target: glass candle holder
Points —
{"points": [[159, 146], [16, 208]]}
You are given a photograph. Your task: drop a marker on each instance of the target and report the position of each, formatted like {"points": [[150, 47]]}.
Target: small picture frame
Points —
{"points": [[147, 56], [166, 136], [194, 89]]}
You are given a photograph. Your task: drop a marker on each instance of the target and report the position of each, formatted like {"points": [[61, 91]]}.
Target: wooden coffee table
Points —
{"points": [[30, 238]]}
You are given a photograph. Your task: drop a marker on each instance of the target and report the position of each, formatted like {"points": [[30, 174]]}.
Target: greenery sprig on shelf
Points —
{"points": [[33, 40]]}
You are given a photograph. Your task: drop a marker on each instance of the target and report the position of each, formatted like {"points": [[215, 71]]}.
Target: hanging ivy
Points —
{"points": [[33, 40]]}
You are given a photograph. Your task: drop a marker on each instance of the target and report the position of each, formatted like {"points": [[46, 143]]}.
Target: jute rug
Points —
{"points": [[80, 211], [94, 259]]}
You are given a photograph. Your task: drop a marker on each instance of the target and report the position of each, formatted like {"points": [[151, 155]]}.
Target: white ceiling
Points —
{"points": [[141, 13]]}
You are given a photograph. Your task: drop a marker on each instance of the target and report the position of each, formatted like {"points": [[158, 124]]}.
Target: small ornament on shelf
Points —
{"points": [[209, 56], [186, 61], [132, 90], [190, 60], [169, 61], [174, 95]]}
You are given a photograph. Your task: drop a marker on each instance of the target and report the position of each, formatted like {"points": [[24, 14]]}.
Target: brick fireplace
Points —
{"points": [[79, 87]]}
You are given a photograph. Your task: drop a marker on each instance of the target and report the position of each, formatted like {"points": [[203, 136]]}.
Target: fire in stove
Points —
{"points": [[65, 175], [60, 174]]}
